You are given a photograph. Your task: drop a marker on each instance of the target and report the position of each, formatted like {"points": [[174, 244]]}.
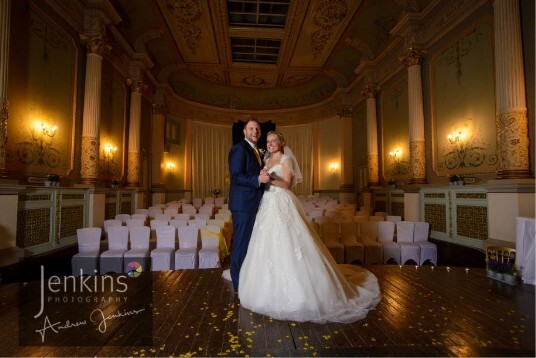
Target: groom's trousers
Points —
{"points": [[243, 222]]}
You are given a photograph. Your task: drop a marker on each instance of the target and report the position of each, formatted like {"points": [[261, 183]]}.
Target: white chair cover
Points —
{"points": [[182, 216], [139, 217], [219, 201], [386, 235], [420, 237], [163, 257], [404, 236], [86, 261], [111, 260], [202, 216], [208, 200], [186, 256], [197, 222], [525, 252], [354, 251], [123, 217], [368, 234], [139, 248], [393, 218], [166, 217], [142, 211], [171, 210], [177, 223], [209, 255], [376, 218], [191, 211], [197, 202], [135, 222]]}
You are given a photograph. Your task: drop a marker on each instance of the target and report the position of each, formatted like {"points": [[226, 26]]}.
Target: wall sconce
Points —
{"points": [[456, 137], [46, 129], [396, 155], [333, 167], [170, 166], [108, 152]]}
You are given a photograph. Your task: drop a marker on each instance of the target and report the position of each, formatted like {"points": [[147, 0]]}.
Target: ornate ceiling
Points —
{"points": [[200, 51]]}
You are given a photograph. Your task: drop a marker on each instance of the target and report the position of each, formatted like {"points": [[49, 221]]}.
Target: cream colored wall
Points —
{"points": [[8, 220], [329, 151], [503, 209]]}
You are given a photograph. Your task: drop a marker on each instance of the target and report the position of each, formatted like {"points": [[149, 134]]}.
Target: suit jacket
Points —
{"points": [[244, 193]]}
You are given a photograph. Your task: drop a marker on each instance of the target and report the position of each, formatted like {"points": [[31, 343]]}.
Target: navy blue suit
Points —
{"points": [[245, 195]]}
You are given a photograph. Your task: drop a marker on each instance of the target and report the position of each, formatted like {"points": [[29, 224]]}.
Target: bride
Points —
{"points": [[288, 273]]}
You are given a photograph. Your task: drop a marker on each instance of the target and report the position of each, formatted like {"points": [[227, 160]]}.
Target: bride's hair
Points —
{"points": [[281, 139]]}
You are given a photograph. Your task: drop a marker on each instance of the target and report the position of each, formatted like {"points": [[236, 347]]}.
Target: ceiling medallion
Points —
{"points": [[329, 14], [187, 12], [253, 81]]}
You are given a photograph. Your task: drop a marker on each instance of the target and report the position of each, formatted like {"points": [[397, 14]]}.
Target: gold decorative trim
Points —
{"points": [[434, 195], [471, 196], [90, 158], [513, 142], [72, 218], [33, 227]]}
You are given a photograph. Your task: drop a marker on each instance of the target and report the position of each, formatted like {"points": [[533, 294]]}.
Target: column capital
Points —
{"points": [[96, 44], [413, 56], [159, 108], [368, 92], [345, 112], [137, 86]]}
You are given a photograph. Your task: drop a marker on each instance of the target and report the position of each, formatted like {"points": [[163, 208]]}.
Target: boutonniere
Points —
{"points": [[261, 152]]}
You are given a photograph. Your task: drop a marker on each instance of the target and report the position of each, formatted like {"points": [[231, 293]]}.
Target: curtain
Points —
{"points": [[210, 148], [300, 140]]}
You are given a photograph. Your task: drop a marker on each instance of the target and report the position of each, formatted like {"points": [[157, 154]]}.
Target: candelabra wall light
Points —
{"points": [[397, 166], [109, 165], [465, 147], [333, 167], [39, 150], [170, 166]]}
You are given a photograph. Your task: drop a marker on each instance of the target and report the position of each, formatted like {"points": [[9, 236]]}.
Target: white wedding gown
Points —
{"points": [[289, 274]]}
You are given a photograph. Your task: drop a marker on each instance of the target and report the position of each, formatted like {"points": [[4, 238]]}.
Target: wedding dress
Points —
{"points": [[289, 274]]}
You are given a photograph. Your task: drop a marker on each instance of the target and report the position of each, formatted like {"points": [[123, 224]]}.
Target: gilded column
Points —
{"points": [[134, 129], [347, 169], [413, 60], [158, 145], [89, 172], [372, 137], [511, 112], [5, 17]]}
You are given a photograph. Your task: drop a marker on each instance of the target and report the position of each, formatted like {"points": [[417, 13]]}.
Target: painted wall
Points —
{"points": [[329, 152]]}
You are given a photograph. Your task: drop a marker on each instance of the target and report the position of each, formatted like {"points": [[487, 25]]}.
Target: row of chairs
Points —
{"points": [[223, 214], [375, 242], [197, 248]]}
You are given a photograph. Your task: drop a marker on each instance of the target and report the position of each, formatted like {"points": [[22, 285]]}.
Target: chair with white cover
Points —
{"points": [[139, 249], [142, 211], [178, 223], [376, 218], [381, 213], [330, 237], [186, 256], [190, 210], [111, 260], [154, 210], [316, 212], [197, 222], [197, 202], [354, 251], [135, 222], [218, 229], [209, 255], [227, 234], [163, 257], [182, 216], [139, 216], [223, 216], [386, 235], [172, 211], [393, 218], [202, 216], [208, 200], [219, 201], [420, 237], [123, 217], [368, 234], [404, 236], [166, 217], [154, 224], [86, 261], [109, 223], [206, 210]]}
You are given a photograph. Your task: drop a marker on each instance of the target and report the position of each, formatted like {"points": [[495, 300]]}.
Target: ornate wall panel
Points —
{"points": [[464, 137]]}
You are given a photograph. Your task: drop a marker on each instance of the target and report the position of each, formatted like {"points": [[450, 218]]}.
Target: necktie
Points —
{"points": [[257, 155]]}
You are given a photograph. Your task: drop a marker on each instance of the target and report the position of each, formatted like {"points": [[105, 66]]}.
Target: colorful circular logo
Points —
{"points": [[134, 269]]}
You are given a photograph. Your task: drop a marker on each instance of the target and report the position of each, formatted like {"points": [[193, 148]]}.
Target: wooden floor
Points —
{"points": [[425, 311]]}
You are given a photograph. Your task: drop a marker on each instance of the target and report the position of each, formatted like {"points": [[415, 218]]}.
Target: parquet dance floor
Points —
{"points": [[425, 311]]}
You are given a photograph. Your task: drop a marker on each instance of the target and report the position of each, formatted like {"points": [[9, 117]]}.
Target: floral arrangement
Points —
{"points": [[115, 183], [453, 178], [55, 178], [216, 191], [507, 267]]}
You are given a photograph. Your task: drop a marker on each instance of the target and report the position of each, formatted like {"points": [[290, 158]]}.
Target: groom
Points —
{"points": [[245, 193]]}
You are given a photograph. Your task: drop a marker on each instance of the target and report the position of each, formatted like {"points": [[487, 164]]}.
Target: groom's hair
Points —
{"points": [[251, 120]]}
